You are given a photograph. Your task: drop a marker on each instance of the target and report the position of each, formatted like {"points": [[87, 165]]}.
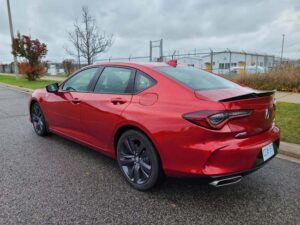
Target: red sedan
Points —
{"points": [[157, 119]]}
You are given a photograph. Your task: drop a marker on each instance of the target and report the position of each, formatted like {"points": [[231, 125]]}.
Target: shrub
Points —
{"points": [[31, 71], [284, 78], [32, 51]]}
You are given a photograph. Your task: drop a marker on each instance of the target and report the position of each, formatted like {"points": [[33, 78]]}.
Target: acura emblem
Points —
{"points": [[267, 114]]}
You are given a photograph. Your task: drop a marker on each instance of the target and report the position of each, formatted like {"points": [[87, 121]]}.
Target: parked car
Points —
{"points": [[162, 120]]}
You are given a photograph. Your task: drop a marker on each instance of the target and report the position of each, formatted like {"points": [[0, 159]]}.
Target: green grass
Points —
{"points": [[23, 82], [288, 120]]}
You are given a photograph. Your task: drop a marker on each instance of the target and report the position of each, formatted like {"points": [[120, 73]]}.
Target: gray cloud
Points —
{"points": [[185, 25]]}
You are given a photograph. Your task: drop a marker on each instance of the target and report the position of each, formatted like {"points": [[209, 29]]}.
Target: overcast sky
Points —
{"points": [[254, 25]]}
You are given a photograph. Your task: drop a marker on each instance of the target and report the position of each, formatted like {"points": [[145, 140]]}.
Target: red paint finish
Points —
{"points": [[185, 148]]}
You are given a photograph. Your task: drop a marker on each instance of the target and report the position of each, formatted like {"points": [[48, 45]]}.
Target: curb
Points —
{"points": [[289, 149], [288, 158], [26, 90]]}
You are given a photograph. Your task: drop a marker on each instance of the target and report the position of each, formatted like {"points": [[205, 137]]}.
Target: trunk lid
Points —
{"points": [[260, 102]]}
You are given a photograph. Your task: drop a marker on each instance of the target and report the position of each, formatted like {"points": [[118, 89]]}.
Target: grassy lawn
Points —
{"points": [[288, 120], [23, 82]]}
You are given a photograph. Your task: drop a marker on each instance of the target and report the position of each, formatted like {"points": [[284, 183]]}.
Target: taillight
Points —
{"points": [[215, 119]]}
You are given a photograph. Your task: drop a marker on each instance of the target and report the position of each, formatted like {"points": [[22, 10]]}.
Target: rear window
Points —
{"points": [[195, 78]]}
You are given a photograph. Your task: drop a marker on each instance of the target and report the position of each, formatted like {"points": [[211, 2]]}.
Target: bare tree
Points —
{"points": [[87, 39]]}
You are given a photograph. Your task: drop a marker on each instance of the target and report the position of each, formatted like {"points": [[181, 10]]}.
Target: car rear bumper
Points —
{"points": [[228, 179], [229, 158], [259, 163]]}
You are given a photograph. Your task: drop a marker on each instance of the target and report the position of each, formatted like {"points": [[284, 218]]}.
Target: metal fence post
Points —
{"points": [[161, 49], [229, 68], [256, 62], [150, 56], [265, 62], [211, 59], [245, 63]]}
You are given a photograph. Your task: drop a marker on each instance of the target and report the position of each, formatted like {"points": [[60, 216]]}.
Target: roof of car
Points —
{"points": [[146, 64]]}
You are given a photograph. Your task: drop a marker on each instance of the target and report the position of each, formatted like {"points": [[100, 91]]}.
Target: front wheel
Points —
{"points": [[38, 120], [138, 160]]}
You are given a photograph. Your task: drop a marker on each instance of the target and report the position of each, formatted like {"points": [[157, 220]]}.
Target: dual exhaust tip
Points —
{"points": [[226, 181]]}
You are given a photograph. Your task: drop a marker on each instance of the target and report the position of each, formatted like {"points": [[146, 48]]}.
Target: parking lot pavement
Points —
{"points": [[55, 181]]}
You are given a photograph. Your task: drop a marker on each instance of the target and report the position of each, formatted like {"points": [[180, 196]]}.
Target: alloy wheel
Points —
{"points": [[37, 119], [134, 160]]}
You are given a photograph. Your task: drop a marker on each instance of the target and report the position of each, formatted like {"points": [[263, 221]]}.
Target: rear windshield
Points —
{"points": [[195, 78]]}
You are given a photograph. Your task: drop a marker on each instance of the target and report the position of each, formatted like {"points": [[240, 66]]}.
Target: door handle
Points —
{"points": [[75, 101], [118, 101]]}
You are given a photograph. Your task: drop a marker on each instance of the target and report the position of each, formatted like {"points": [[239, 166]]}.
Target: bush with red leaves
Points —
{"points": [[32, 51]]}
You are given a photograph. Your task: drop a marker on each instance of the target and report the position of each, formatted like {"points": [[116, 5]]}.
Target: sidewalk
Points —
{"points": [[53, 78], [289, 97]]}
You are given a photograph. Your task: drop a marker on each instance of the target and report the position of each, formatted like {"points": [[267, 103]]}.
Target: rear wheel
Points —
{"points": [[38, 120], [138, 160]]}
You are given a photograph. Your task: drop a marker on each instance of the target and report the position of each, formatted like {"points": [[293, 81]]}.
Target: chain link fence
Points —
{"points": [[224, 61], [217, 61]]}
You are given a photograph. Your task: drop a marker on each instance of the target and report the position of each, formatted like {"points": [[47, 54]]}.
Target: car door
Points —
{"points": [[63, 113], [102, 109]]}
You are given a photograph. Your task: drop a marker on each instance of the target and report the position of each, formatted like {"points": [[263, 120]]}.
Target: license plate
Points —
{"points": [[268, 151]]}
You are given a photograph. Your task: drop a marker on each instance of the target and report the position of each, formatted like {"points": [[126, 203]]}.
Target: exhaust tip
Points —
{"points": [[226, 181]]}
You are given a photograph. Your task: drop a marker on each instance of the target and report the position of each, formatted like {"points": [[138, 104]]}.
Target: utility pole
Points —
{"points": [[12, 39], [282, 48]]}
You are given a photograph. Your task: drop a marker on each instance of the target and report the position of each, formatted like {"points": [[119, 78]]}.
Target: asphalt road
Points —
{"points": [[55, 181]]}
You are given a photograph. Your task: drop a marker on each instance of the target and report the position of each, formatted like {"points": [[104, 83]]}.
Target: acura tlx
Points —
{"points": [[160, 119]]}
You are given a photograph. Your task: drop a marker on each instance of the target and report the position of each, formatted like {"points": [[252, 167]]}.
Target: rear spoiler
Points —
{"points": [[250, 95]]}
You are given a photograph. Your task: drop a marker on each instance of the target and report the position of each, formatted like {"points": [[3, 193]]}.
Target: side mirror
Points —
{"points": [[52, 88]]}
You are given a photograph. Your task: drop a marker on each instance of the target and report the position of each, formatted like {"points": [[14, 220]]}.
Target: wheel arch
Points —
{"points": [[122, 129]]}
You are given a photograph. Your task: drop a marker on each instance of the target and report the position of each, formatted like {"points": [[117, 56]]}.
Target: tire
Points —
{"points": [[138, 160], [38, 120]]}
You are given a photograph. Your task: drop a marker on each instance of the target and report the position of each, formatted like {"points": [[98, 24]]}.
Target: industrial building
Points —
{"points": [[228, 62]]}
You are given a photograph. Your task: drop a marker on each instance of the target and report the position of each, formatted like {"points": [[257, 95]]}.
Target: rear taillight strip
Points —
{"points": [[215, 119]]}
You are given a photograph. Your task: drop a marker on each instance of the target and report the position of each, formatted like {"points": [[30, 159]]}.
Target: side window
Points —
{"points": [[80, 81], [142, 81], [114, 80]]}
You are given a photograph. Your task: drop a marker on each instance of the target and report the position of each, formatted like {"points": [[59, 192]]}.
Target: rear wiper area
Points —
{"points": [[250, 95]]}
